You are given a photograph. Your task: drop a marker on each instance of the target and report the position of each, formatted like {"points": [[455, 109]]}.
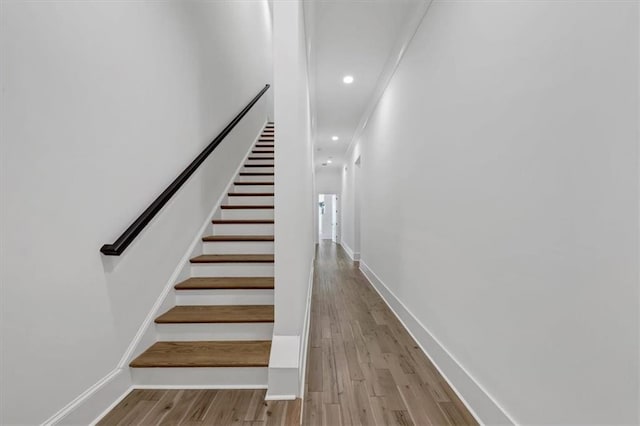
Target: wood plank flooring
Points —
{"points": [[202, 407], [363, 367]]}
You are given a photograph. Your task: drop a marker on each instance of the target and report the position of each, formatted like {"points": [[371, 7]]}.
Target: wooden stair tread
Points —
{"points": [[260, 158], [259, 165], [211, 314], [226, 283], [246, 207], [257, 174], [243, 221], [233, 258], [262, 152], [252, 183], [252, 353], [250, 194], [238, 238]]}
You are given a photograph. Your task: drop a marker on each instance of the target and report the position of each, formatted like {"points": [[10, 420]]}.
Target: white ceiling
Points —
{"points": [[348, 37]]}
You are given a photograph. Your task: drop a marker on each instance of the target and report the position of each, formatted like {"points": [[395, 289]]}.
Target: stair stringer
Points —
{"points": [[147, 333]]}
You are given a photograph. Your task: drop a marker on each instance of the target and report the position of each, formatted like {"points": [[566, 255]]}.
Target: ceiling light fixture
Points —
{"points": [[348, 79], [329, 161], [334, 138]]}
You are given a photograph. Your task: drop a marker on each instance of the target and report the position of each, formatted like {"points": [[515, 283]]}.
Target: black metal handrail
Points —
{"points": [[127, 237]]}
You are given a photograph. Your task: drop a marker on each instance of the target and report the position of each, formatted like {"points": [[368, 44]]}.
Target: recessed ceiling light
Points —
{"points": [[334, 138], [348, 79], [329, 161]]}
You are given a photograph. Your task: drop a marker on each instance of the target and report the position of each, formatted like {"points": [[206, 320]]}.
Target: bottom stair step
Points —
{"points": [[202, 378], [253, 353], [226, 283]]}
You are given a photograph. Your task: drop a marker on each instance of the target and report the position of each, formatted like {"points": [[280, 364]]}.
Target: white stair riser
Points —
{"points": [[243, 229], [267, 178], [257, 169], [221, 377], [232, 269], [233, 214], [262, 200], [262, 155], [208, 332], [250, 162], [253, 188], [224, 297], [237, 247]]}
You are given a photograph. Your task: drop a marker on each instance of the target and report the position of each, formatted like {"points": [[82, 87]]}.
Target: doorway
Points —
{"points": [[328, 217]]}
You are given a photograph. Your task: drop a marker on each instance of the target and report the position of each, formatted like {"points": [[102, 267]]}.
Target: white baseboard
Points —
{"points": [[280, 397], [90, 404], [484, 408], [196, 387], [347, 250]]}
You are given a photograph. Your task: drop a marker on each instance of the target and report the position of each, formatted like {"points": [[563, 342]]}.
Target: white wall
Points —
{"points": [[329, 180], [500, 200], [351, 197], [103, 104], [294, 196]]}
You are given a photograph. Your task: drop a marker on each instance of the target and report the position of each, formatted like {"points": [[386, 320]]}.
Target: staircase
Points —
{"points": [[219, 333]]}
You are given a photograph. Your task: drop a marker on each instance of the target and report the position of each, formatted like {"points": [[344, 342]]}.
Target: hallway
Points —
{"points": [[363, 367]]}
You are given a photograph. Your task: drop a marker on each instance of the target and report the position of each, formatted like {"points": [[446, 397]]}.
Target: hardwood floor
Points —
{"points": [[363, 367], [202, 407]]}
